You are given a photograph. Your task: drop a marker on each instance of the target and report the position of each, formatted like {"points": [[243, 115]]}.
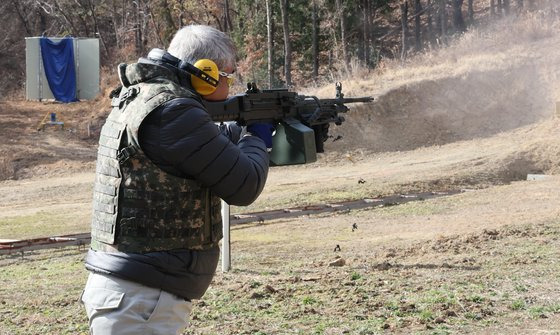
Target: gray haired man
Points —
{"points": [[162, 167]]}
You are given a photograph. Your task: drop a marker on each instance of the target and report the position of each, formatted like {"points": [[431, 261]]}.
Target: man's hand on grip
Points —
{"points": [[263, 131]]}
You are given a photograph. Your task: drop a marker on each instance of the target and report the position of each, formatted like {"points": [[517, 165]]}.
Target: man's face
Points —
{"points": [[222, 91]]}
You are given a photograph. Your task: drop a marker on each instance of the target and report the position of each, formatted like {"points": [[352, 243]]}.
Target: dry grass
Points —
{"points": [[480, 262], [493, 46]]}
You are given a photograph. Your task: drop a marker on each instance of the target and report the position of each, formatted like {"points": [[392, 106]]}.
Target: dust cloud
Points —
{"points": [[491, 80]]}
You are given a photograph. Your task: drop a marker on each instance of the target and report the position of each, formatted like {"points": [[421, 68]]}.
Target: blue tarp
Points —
{"points": [[58, 61]]}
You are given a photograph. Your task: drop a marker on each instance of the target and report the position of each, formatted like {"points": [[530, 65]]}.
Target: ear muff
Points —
{"points": [[204, 73], [200, 81]]}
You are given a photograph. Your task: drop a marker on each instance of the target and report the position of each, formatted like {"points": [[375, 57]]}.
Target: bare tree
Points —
{"points": [[137, 29], [270, 44], [60, 14], [471, 11], [443, 20], [182, 10], [430, 21], [156, 26], [20, 13], [118, 22], [92, 11], [315, 40], [417, 25], [227, 19], [367, 31], [140, 26], [505, 4], [342, 17], [404, 24], [458, 22], [169, 24], [287, 44]]}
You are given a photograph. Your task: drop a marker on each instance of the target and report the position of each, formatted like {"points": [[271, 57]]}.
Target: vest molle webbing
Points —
{"points": [[137, 206]]}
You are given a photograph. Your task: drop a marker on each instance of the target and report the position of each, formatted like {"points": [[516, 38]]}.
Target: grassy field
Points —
{"points": [[39, 293], [398, 295], [33, 225], [498, 279]]}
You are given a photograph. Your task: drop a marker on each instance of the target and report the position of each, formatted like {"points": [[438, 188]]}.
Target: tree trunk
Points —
{"points": [[138, 32], [500, 8], [520, 5], [367, 32], [458, 21], [66, 17], [96, 27], [430, 21], [84, 25], [443, 20], [115, 21], [85, 7], [270, 44], [42, 23], [471, 11], [169, 27], [417, 25], [227, 19], [315, 41], [360, 11], [124, 21], [341, 15], [506, 6], [155, 23], [22, 18], [404, 24], [287, 45], [492, 8]]}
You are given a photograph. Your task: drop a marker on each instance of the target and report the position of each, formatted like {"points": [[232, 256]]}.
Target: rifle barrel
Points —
{"points": [[311, 100]]}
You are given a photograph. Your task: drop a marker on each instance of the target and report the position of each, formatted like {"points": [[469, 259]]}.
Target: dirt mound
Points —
{"points": [[476, 88], [430, 112]]}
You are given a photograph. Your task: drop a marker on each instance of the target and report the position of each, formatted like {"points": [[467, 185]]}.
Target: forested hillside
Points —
{"points": [[280, 42]]}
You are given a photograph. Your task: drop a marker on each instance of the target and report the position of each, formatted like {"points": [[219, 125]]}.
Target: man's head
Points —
{"points": [[195, 42]]}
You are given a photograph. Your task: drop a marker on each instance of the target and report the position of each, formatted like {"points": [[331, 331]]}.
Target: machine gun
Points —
{"points": [[302, 122]]}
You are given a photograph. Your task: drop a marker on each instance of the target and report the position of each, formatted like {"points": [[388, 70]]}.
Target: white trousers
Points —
{"points": [[118, 306]]}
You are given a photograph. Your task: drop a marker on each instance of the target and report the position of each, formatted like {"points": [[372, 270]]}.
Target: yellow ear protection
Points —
{"points": [[208, 69], [204, 73]]}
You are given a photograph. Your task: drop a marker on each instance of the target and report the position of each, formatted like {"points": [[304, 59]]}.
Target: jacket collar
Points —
{"points": [[145, 70]]}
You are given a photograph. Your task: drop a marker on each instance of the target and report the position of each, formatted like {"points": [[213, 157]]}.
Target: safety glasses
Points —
{"points": [[229, 76]]}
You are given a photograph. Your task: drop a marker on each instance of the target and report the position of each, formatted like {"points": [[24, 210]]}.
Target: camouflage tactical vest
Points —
{"points": [[138, 207]]}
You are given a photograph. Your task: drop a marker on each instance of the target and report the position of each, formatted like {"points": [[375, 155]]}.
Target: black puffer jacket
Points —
{"points": [[182, 140]]}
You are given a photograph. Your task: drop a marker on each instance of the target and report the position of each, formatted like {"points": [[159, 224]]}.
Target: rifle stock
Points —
{"points": [[302, 122]]}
